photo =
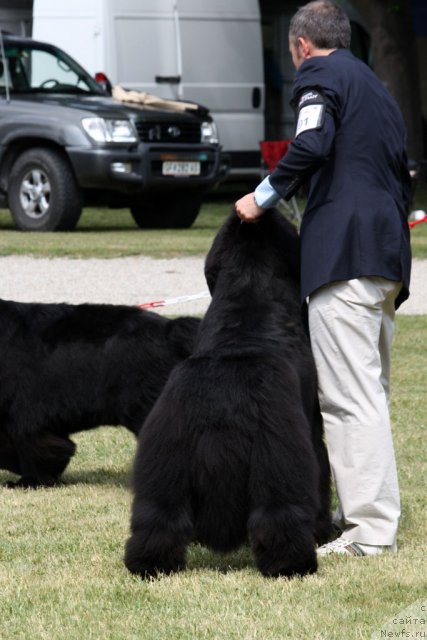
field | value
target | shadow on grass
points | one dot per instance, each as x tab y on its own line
107	477
101	476
201	558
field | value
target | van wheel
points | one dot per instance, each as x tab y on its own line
167	211
43	194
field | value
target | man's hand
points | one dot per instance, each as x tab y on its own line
247	209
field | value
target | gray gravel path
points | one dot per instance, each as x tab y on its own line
132	281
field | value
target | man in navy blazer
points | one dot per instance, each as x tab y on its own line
349	150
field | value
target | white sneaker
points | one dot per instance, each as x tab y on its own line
345	547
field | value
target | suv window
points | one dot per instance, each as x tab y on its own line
31	69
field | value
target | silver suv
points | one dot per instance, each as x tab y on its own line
65	143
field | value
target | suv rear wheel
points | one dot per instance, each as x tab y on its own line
43	194
173	210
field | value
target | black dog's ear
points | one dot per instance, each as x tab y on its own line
212	266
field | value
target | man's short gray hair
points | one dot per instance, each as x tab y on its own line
322	22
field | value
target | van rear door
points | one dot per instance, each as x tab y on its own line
222	68
147	47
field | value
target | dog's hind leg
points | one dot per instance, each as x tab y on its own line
42	459
9	459
161	523
284	504
312	411
160	534
324	519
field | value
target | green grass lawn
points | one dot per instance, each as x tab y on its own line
61	570
107	233
62	577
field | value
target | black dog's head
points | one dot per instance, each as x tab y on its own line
271	242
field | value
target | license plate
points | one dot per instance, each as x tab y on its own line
179	168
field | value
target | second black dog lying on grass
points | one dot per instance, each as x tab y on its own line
68	368
233	448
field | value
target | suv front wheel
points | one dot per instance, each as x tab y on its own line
169	210
43	194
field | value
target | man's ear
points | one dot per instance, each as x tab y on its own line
305	46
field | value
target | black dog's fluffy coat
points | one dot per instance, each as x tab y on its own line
67	368
233	448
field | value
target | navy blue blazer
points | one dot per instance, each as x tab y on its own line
354	163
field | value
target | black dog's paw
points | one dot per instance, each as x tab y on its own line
289	569
27	483
147	570
150	572
145	564
22	483
11	485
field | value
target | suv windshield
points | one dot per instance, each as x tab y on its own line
33	68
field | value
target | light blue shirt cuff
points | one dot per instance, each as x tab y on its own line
265	195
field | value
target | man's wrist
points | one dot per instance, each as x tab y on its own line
265	195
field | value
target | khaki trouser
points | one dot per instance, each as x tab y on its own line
351	330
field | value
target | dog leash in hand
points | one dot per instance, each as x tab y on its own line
167	301
205	294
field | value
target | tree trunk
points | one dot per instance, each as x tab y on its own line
395	61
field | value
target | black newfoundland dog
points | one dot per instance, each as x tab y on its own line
233	448
67	368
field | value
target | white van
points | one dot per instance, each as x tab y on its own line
206	51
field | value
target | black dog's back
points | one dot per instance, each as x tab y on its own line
92	364
228	450
66	368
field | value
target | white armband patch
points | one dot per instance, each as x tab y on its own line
310	117
311	112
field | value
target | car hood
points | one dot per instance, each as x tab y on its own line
106	107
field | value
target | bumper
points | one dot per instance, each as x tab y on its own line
139	168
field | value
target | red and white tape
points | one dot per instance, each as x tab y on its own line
167	301
415	222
